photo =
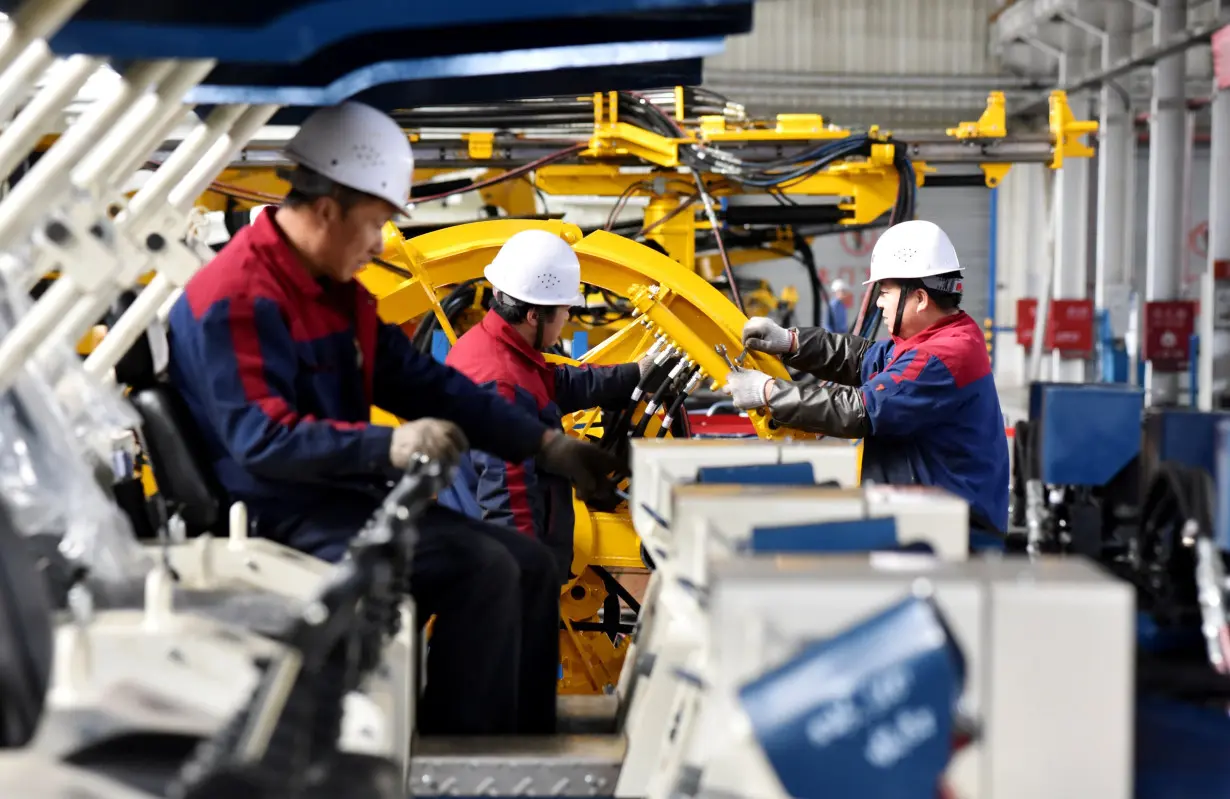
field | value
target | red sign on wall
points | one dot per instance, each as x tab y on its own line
1069	328
1221	57
1169	325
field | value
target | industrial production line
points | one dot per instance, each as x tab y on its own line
770	660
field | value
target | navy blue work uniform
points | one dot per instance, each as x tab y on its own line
280	372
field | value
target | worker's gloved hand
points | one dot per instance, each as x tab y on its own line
749	388
588	467
762	334
435	438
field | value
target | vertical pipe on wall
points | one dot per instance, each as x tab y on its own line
1167	129
1214	354
1113	279
993	269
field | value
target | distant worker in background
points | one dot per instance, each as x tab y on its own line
924	400
536	277
279	355
836	321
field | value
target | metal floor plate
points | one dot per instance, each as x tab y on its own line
564	765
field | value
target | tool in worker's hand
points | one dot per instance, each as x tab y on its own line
741	358
721	350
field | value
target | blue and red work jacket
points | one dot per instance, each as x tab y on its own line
280	372
513	491
935	416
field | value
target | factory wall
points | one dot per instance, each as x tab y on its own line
962	211
1024	237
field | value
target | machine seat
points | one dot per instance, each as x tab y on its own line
176	454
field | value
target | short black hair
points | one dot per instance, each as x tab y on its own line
944	300
308	186
515	311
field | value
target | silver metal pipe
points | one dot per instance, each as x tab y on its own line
31	196
1115	129
34	20
20	137
15	82
97	169
1167	126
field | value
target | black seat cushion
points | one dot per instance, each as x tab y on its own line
177	455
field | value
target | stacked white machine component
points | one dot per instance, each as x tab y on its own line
712	522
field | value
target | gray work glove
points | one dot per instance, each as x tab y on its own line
748	388
434	438
587	466
764	335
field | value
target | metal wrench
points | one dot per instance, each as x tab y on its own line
737	362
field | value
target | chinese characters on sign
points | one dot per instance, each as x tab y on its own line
1168	330
1069	326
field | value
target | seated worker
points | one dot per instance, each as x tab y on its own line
535	276
279	355
924	401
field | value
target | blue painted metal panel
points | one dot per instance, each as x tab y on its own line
1182	435
866	713
777	474
854	535
290	32
393	97
1221	476
1088	432
580	343
463	66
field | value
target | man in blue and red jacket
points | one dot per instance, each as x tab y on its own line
924	401
279	355
535	276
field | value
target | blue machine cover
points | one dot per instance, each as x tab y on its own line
866	713
848	535
1089	433
771	474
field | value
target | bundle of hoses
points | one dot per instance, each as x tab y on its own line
284	741
670	379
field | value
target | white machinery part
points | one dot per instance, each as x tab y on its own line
659	464
1040	638
710	523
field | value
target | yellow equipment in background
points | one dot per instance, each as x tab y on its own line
684	166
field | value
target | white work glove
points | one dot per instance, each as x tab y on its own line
748	388
435	438
764	335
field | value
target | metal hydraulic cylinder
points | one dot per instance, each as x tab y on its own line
1167	134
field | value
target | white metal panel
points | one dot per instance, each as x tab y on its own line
963	212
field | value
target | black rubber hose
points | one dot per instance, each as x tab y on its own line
818	293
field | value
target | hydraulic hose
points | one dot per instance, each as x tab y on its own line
692	380
658	397
613	433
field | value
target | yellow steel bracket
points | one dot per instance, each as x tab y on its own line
613	138
993	124
1067	130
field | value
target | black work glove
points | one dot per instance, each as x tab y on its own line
587	466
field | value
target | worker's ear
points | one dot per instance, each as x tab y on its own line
327	210
924	299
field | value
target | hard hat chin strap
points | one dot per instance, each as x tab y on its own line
901	295
538	331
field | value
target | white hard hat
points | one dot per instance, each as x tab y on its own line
356	146
838	285
538	268
916	250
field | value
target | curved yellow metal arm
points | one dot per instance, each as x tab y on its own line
683	305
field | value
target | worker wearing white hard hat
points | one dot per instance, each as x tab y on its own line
536	280
279	356
836	321
924	400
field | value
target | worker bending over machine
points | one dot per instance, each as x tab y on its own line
924	401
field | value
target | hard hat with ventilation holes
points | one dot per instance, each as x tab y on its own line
356	146
916	250
538	268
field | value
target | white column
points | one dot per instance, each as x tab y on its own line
1113	280
1214	374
